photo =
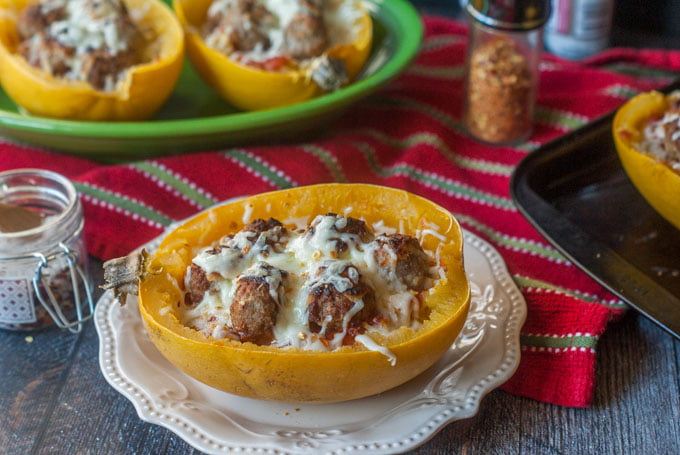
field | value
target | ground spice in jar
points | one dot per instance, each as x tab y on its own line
43	261
499	93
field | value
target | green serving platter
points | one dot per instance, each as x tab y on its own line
195	118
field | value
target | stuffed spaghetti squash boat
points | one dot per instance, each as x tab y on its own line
89	59
646	132
262	54
313	294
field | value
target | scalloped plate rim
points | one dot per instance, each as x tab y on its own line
199	439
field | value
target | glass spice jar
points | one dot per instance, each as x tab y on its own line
43	266
502	68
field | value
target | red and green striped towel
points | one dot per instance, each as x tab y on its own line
407	135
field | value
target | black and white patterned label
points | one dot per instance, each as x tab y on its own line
16	302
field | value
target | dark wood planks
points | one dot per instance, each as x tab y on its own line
636	407
54	400
33	373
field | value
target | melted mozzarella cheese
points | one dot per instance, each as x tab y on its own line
654	137
373	346
226	263
308	262
321	243
89	25
380	228
247	213
271	275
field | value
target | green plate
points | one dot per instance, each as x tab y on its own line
195	118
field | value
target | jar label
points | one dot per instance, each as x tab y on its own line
16	302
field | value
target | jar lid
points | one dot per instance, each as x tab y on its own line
512	15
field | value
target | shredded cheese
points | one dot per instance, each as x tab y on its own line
309	260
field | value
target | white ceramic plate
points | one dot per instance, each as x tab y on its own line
484	356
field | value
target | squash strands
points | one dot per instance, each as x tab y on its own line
250	88
294	375
145	87
655	180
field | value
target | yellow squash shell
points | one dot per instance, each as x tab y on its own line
293	375
137	97
655	180
249	88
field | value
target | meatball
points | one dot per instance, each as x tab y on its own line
306	35
100	68
49	42
256	303
198	284
211	264
259	237
48	54
332	300
36	18
243	21
332	226
403	255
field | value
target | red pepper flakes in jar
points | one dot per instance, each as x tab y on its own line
502	68
499	96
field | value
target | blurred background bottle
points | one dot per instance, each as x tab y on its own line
579	28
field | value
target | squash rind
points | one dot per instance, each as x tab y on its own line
250	88
139	96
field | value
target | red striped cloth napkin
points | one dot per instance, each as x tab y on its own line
408	136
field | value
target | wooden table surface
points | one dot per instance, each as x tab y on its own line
54	399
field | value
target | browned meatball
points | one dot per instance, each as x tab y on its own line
199	281
404	254
259	235
245	22
198	284
100	65
328	306
245	39
341	225
35	19
43	47
47	54
254	309
306	35
356	227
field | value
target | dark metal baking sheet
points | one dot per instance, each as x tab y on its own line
575	192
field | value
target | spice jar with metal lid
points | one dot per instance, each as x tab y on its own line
504	47
43	262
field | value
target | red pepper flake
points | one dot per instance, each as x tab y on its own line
626	135
499	93
273	64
